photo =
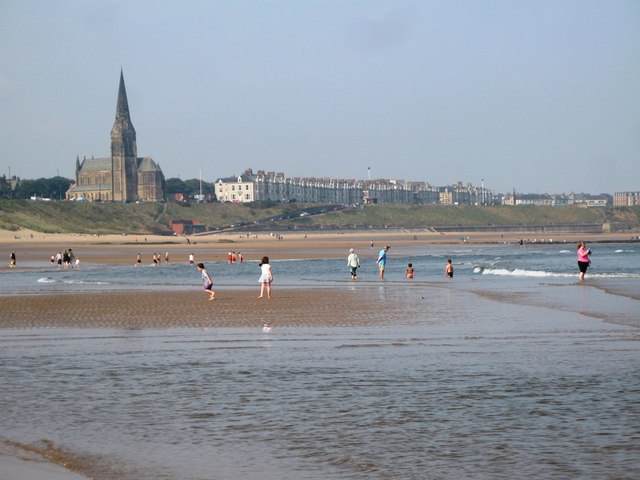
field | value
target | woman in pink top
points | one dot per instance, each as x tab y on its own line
583	259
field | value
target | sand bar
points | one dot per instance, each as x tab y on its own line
21	462
189	309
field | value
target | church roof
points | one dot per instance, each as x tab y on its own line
146	164
95	164
105	187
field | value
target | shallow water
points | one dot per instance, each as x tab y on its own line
471	387
550	263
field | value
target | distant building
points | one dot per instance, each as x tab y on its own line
626	199
123	177
187	227
533	199
240	189
588	200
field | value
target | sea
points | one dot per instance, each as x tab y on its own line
511	369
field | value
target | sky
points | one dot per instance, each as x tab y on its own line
538	96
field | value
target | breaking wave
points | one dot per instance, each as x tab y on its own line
541	273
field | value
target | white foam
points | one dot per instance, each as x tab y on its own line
86	282
46	280
540	273
520	272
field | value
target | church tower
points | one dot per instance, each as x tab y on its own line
124	177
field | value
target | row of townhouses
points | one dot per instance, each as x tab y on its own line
276	187
578	199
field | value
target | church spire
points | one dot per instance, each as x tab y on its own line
122	109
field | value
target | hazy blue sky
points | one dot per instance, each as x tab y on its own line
540	96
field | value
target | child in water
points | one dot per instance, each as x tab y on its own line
448	270
266	277
409	271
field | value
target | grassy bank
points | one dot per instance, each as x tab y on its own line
104	218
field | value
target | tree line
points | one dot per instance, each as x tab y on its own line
56	187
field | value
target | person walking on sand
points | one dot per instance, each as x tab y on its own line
207	283
266	277
192	260
353	262
448	270
12	260
382	260
583	259
410	271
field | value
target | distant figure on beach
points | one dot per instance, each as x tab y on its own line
166	257
192	260
207	283
66	259
12	260
382	260
240	257
409	272
155	259
229	257
59	259
77	263
53	259
138	260
448	270
353	262
266	277
583	259
371	243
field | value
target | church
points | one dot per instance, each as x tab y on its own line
123	177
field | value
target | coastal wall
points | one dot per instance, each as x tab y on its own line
581	228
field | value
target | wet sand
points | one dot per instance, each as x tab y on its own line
21	462
188	309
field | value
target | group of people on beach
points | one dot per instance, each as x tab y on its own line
353	262
66	259
156	259
233	257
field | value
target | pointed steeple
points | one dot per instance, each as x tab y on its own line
122	109
123	151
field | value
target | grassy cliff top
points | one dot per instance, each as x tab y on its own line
105	218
